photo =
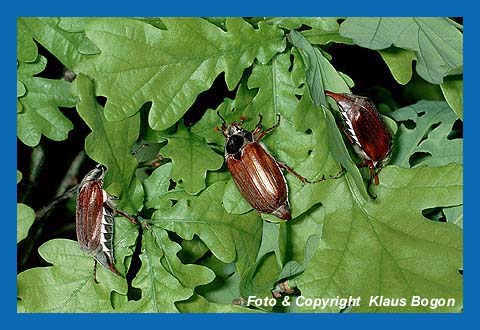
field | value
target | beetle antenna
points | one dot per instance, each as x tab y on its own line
221	117
224	123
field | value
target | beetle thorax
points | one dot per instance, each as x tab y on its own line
96	174
237	138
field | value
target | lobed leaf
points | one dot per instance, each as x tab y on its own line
38	105
27	50
162	278
229	237
369	250
321	76
70	48
261	278
191	159
399	62
171	67
110	142
67	285
454	214
436	42
434	121
452	89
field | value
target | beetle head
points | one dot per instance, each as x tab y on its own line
96	174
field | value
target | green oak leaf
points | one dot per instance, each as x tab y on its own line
156	185
27	50
323	30
67	285
294	268
274	239
261	278
452	89
171	67
21	90
312	59
25	219
162	278
39	105
303	229
110	142
320	75
229	237
434	121
386	247
454	215
225	289
192	250
316	23
233	200
436	42
399	62
191	159
276	96
231	110
70	48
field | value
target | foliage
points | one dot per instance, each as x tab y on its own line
200	246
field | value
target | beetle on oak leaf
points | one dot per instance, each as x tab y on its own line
94	219
257	175
365	130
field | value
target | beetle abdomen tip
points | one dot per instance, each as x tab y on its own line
283	212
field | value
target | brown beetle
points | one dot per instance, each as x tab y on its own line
366	130
94	218
257	175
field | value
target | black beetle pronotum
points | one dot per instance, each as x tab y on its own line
257	175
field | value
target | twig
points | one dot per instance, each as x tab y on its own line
71	174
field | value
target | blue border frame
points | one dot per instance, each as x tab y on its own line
242	8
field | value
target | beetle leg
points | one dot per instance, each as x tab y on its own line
128	216
368	190
109	200
258	127
265	132
364	163
299	177
373	174
373	178
95	271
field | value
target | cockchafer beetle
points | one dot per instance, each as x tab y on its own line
94	218
257	175
365	130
